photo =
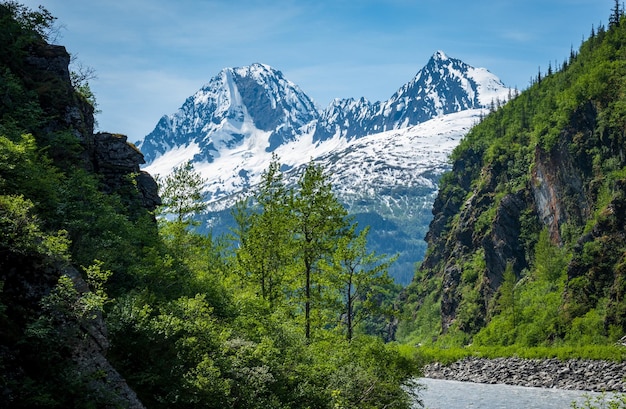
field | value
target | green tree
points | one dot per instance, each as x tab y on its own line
616	15
357	274
507	294
181	192
550	259
320	220
265	233
40	22
20	231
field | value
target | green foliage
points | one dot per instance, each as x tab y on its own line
40	22
20	231
25	171
193	322
358	275
469	314
420	327
265	233
531	311
320	220
507	300
603	401
22	28
550	260
208	325
181	192
564	133
80	77
63	324
429	354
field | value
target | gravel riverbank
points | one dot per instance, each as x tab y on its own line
573	374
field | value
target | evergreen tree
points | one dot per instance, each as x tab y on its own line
550	259
507	294
616	14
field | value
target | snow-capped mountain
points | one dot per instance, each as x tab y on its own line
236	105
445	85
384	159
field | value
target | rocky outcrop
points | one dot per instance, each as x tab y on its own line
574	374
48	74
36	340
502	245
109	154
118	160
491	208
557	189
29	279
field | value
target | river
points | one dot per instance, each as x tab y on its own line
442	394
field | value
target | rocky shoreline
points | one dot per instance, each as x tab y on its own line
573	374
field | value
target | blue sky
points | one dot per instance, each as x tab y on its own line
150	55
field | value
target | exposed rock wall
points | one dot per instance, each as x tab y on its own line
476	217
109	154
25	280
558	189
48	74
117	159
575	374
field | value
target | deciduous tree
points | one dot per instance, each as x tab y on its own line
319	221
357	273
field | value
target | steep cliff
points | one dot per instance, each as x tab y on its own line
59	183
537	188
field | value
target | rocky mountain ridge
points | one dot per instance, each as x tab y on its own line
257	102
443	86
235	104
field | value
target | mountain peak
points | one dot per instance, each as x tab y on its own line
439	56
257	70
252	105
255	106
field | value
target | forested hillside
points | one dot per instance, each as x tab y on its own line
527	246
101	305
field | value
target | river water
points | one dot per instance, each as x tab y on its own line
441	394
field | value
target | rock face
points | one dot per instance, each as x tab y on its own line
49	64
65	117
444	86
480	219
116	159
236	105
108	154
575	374
26	281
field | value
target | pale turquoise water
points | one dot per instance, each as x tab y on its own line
440	394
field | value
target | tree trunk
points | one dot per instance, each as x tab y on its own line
349	311
307	301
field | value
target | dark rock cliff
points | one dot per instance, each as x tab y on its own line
109	155
115	158
62	121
